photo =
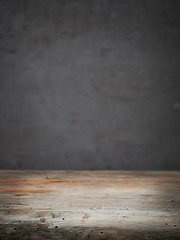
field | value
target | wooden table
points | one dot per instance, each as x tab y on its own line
89	205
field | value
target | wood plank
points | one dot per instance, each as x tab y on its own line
89	205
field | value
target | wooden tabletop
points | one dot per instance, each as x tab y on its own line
89	205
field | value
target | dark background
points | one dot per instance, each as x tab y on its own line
90	84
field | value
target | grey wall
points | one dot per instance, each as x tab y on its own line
89	84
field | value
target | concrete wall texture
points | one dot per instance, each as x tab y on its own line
90	84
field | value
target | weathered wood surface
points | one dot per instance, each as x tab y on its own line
89	205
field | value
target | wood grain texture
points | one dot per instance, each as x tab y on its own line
89	205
